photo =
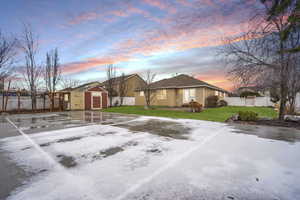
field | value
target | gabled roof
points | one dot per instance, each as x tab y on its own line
119	78
183	81
84	87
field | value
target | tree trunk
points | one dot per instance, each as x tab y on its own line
110	101
283	94
33	101
283	83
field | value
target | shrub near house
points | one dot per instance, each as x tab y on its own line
247	116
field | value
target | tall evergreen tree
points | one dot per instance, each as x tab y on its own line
290	8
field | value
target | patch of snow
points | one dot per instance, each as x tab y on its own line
111	162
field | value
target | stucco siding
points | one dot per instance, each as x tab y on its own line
175	97
77	100
139	100
132	84
199	95
170	99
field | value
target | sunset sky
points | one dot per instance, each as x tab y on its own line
166	36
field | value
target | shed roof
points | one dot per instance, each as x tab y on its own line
84	87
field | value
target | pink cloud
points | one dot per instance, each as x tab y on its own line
192	32
163	5
84	17
217	78
185	2
127	11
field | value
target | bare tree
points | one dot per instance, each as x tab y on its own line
7	55
29	46
148	91
111	82
123	87
52	73
66	82
293	82
259	51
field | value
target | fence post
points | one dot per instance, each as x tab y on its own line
3	95
19	101
6	100
44	101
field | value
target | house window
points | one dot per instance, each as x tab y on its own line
66	97
162	94
217	93
142	93
189	95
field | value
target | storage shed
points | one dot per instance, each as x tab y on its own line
90	96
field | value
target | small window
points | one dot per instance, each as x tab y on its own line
142	93
217	93
66	97
162	94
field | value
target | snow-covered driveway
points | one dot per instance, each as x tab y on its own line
113	156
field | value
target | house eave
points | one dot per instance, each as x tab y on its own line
190	86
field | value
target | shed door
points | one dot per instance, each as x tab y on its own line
104	100
96	100
87	100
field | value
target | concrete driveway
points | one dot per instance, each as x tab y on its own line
94	156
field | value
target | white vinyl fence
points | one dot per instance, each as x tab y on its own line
256	101
127	101
25	103
298	102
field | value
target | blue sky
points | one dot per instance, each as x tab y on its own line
166	36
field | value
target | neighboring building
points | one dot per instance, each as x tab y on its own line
261	91
89	96
179	90
132	81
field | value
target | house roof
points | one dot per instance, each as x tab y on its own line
119	78
84	87
182	81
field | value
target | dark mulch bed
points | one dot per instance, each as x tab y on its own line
275	122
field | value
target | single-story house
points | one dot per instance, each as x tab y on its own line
179	90
89	96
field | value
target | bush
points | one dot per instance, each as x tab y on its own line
195	106
222	103
185	105
212	101
248	116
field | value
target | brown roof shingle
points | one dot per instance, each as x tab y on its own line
182	81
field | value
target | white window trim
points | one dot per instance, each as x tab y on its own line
92	103
187	97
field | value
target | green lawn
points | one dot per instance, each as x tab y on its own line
210	114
